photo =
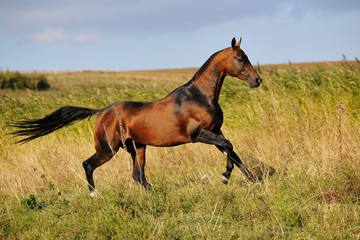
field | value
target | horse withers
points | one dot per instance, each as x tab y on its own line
190	113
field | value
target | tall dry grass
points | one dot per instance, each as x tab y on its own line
299	132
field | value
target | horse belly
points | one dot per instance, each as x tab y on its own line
158	131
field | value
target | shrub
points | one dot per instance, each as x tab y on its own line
16	80
32	202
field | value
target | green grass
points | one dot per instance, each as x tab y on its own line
300	132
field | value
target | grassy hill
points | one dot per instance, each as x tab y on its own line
299	131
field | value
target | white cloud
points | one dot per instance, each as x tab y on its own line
86	37
48	34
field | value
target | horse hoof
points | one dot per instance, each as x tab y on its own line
148	187
224	179
93	194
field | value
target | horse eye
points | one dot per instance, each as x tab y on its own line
240	59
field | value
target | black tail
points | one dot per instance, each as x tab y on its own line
62	117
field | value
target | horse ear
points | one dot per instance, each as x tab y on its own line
238	44
233	42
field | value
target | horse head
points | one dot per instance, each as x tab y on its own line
238	65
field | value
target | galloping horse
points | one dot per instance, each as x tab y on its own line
191	113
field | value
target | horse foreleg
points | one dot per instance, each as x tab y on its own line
229	163
229	166
236	160
226	147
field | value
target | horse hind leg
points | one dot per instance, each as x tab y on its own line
90	165
137	152
89	168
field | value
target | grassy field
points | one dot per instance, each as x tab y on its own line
299	132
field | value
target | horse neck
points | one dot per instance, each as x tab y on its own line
210	77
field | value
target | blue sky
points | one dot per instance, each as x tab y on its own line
159	34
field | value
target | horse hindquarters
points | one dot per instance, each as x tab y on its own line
109	136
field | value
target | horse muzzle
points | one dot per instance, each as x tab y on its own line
255	82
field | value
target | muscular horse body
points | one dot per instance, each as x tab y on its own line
191	113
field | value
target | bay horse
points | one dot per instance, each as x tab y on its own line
190	113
